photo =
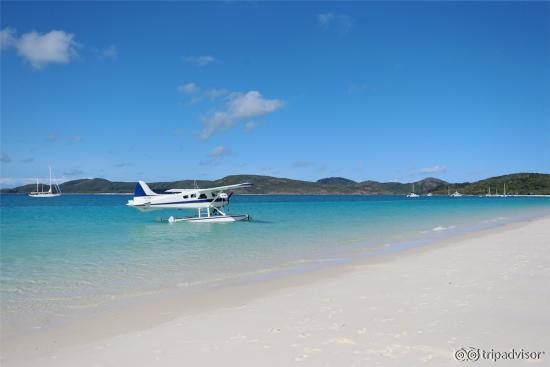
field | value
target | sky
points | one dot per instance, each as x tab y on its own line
365	90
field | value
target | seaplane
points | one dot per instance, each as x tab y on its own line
209	203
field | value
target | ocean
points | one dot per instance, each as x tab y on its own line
63	256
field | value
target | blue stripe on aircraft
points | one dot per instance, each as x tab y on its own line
185	202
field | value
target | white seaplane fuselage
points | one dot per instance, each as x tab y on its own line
188	199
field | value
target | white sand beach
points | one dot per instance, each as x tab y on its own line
488	290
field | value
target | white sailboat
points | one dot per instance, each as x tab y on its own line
412	194
53	191
456	194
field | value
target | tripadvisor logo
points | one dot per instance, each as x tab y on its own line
467	354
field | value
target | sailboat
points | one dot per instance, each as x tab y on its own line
412	194
489	192
54	190
456	194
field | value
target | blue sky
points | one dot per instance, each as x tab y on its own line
382	91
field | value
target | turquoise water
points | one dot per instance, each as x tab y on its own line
61	255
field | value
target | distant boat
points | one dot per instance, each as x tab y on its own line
456	194
52	192
429	194
412	194
501	195
489	192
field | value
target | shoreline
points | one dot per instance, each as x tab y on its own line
139	317
312	194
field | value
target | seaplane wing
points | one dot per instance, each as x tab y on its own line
210	189
226	187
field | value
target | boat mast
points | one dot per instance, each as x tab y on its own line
50	190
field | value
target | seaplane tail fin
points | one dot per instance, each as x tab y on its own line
143	190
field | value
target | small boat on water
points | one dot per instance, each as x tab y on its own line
455	194
53	191
412	194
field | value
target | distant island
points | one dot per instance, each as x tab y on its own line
518	183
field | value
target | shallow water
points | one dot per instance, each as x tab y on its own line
61	255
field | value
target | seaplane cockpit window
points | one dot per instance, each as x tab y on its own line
193	195
202	196
186	196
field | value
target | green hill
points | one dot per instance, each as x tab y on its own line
517	183
520	183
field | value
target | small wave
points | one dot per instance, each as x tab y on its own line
439	229
494	220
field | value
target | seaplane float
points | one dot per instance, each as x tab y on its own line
209	203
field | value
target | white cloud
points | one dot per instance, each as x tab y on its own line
325	19
215	93
219	151
7	38
340	22
196	97
110	52
188	88
250	125
56	47
4	158
251	104
200	60
217	121
239	106
434	169
18	181
8	180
